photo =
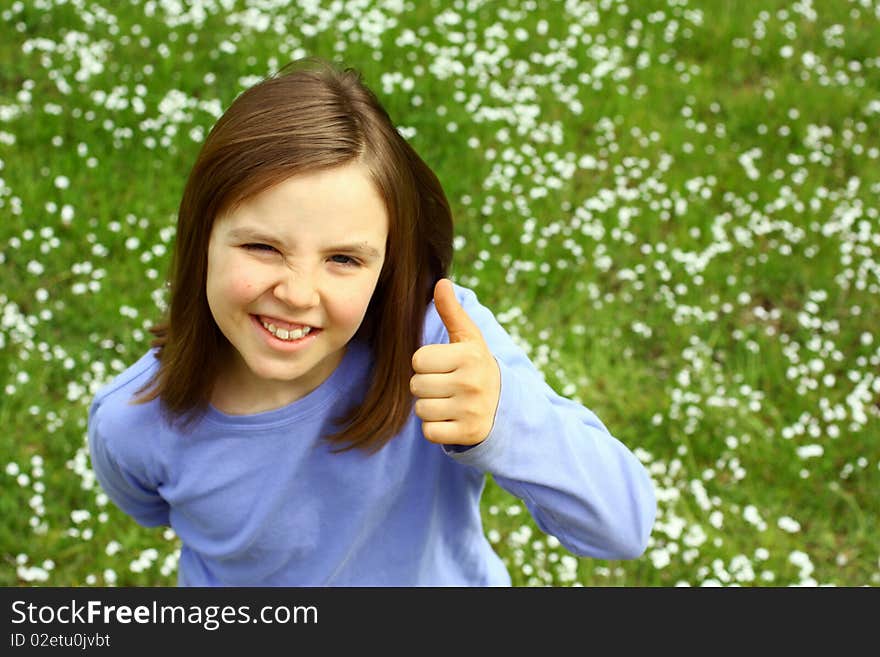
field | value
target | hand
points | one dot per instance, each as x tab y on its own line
457	385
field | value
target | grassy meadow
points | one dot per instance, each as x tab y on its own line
672	205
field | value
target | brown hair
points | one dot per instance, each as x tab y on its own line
307	117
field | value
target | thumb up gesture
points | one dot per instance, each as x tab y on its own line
457	385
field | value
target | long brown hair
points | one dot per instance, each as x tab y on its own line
307	117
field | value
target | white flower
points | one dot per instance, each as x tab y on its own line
660	558
809	451
753	517
802	561
788	524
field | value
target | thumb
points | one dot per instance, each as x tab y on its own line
459	326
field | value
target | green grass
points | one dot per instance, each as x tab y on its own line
695	308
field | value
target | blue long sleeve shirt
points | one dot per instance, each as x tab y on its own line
260	500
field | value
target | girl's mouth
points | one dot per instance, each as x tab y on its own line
284	338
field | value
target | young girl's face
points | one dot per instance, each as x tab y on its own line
301	257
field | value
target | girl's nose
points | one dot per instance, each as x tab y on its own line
297	289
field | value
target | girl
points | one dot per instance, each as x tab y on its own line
321	405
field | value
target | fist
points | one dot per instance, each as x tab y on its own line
457	385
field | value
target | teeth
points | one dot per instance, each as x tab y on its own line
284	334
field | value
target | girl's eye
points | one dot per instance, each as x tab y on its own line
344	260
259	247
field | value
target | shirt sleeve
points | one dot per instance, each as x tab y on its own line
129	490
580	484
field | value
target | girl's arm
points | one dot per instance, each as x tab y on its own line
126	484
580	483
